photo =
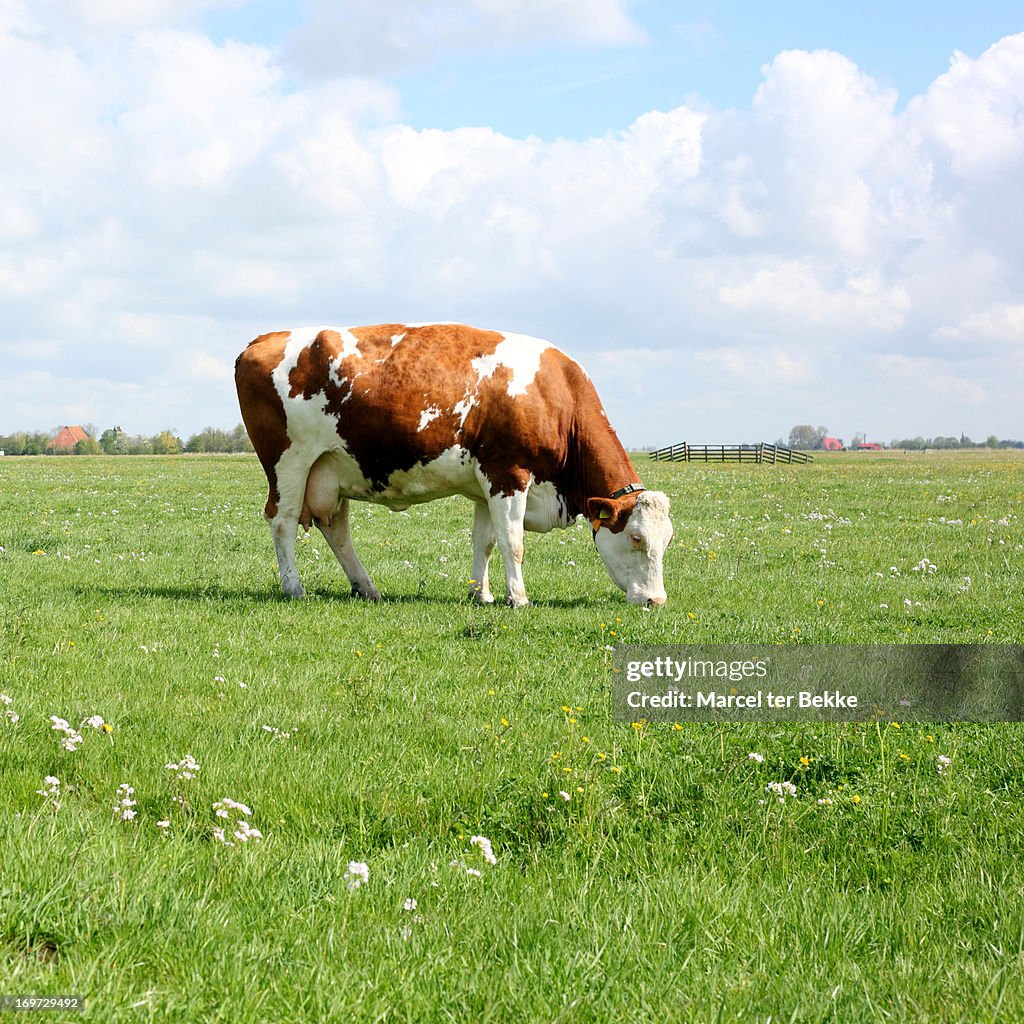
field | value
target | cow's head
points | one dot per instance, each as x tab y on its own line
632	535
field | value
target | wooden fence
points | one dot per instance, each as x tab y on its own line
760	452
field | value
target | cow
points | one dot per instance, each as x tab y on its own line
399	414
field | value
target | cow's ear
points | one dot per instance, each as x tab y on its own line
605	512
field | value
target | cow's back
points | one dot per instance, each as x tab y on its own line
396	396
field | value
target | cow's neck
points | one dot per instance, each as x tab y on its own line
598	466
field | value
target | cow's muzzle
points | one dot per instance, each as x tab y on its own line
646	599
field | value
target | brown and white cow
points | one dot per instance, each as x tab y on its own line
399	414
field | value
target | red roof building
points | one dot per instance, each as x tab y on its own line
833	444
67	438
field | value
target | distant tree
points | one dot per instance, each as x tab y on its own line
165	443
36	444
806	437
210	439
992	441
945	443
114	441
198	442
240	439
966	442
88	446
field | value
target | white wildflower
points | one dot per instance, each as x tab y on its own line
125	807
12	716
245	832
565	796
280	734
781	790
358	874
944	762
72	737
51	791
483	844
224	806
241	830
184	769
410	904
752	756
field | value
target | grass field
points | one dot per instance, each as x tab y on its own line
640	874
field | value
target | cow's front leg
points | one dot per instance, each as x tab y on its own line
483	545
339	538
507	515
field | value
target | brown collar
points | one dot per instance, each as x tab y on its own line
628	489
595	524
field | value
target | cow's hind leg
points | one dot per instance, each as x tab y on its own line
483	544
507	515
337	534
283	517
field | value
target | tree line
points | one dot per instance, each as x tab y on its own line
808	438
116	441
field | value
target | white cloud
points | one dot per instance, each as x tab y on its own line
205	366
793	290
972	112
764	368
373	39
1004	323
113	16
930	381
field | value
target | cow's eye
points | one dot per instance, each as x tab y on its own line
636	540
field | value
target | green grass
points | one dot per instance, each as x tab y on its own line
665	888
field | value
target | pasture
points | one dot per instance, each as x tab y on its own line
641	873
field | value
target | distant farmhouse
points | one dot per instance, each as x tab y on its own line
835	444
67	438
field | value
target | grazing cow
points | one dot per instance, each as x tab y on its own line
400	414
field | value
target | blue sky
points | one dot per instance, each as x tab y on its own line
698	53
737	217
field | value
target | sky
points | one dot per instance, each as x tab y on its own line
737	217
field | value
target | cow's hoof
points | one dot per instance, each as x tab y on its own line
517	602
293	590
366	593
481	598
